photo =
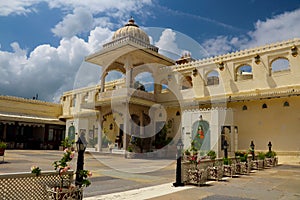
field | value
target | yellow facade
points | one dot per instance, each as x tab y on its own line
30	124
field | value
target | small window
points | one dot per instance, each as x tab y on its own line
264	106
177	113
286	104
245	107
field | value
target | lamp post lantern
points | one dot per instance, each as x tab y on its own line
270	146
81	145
225	146
252	149
178	164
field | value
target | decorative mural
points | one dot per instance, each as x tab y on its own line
201	135
71	132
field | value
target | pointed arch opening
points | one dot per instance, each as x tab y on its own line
280	64
244	72
186	83
212	78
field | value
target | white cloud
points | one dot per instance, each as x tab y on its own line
19	7
50	71
280	27
99	36
73	24
222	45
47	70
167	43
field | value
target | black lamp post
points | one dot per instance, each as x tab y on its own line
270	146
81	145
252	149
178	164
225	145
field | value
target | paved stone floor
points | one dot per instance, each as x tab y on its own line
115	177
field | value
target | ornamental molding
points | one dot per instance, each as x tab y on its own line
24	100
239	54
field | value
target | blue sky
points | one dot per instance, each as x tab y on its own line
43	43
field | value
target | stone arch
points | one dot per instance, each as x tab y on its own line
109	75
243	72
186	82
212	78
280	64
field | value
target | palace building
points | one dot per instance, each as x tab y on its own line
30	123
243	96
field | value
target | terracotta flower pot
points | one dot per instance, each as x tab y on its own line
2	151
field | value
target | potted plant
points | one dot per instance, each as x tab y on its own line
270	158
242	166
228	168
3	146
64	189
261	158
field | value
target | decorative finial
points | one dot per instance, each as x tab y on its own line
131	22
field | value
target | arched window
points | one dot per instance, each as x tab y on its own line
286	104
245	107
264	106
244	72
187	83
213	78
280	64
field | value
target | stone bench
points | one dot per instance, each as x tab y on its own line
26	185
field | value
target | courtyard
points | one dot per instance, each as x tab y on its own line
115	177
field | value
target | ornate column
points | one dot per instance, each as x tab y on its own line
103	82
128	66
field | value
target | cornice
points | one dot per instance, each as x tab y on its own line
24	100
239	54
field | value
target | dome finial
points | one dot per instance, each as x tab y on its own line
131	22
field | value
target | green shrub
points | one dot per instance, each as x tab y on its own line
3	145
261	156
212	154
242	155
270	154
226	161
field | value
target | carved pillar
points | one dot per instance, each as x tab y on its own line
128	66
103	82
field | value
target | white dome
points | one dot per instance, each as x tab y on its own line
131	29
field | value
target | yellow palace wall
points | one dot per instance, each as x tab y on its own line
276	123
9	104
